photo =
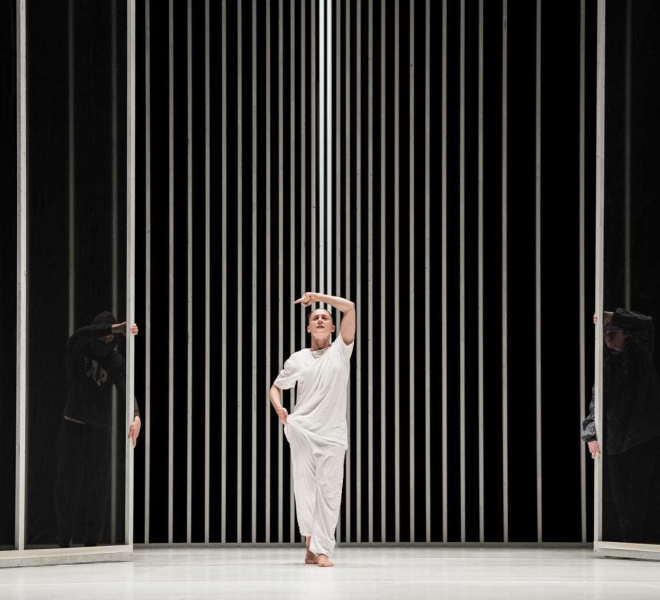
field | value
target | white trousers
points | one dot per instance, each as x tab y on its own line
318	478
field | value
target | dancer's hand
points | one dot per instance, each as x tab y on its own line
307	299
282	413
121	328
594	449
134	430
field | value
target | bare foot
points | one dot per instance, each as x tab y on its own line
324	561
310	557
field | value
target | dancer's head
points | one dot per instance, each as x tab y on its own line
320	324
616	339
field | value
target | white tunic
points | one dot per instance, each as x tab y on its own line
320	410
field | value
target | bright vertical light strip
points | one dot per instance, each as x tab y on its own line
21	273
130	275
328	137
600	230
170	374
147	283
539	461
322	133
581	316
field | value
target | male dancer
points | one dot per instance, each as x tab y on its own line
317	429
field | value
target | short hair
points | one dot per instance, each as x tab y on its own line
309	316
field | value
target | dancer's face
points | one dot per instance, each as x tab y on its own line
320	323
616	339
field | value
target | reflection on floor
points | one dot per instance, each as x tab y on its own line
369	573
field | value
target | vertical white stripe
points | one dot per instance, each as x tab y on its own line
293	244
462	266
255	233
600	230
223	482
427	268
397	277
190	281
147	293
269	414
337	204
505	285
239	282
207	269
411	272
348	8
322	163
170	485
328	114
370	278
627	135
539	463
280	260
481	271
358	273
303	167
444	273
130	275
21	275
115	277
581	317
314	187
383	270
72	166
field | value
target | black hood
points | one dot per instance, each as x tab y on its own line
99	348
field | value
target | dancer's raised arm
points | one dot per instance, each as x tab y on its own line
347	308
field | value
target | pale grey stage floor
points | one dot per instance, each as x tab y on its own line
373	573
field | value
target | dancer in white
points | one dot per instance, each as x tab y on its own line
317	429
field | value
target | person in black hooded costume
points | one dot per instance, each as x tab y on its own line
84	442
631	422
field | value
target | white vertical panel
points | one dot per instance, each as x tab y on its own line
239	271
303	166
189	242
411	271
383	269
130	274
481	271
370	278
337	203
21	274
147	292
280	261
600	230
115	265
358	274
255	232
223	482
314	187
539	463
293	243
397	277
268	304
322	144
207	269
72	166
427	268
348	9
581	317
444	273
170	484
329	137
627	155
505	279
462	266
